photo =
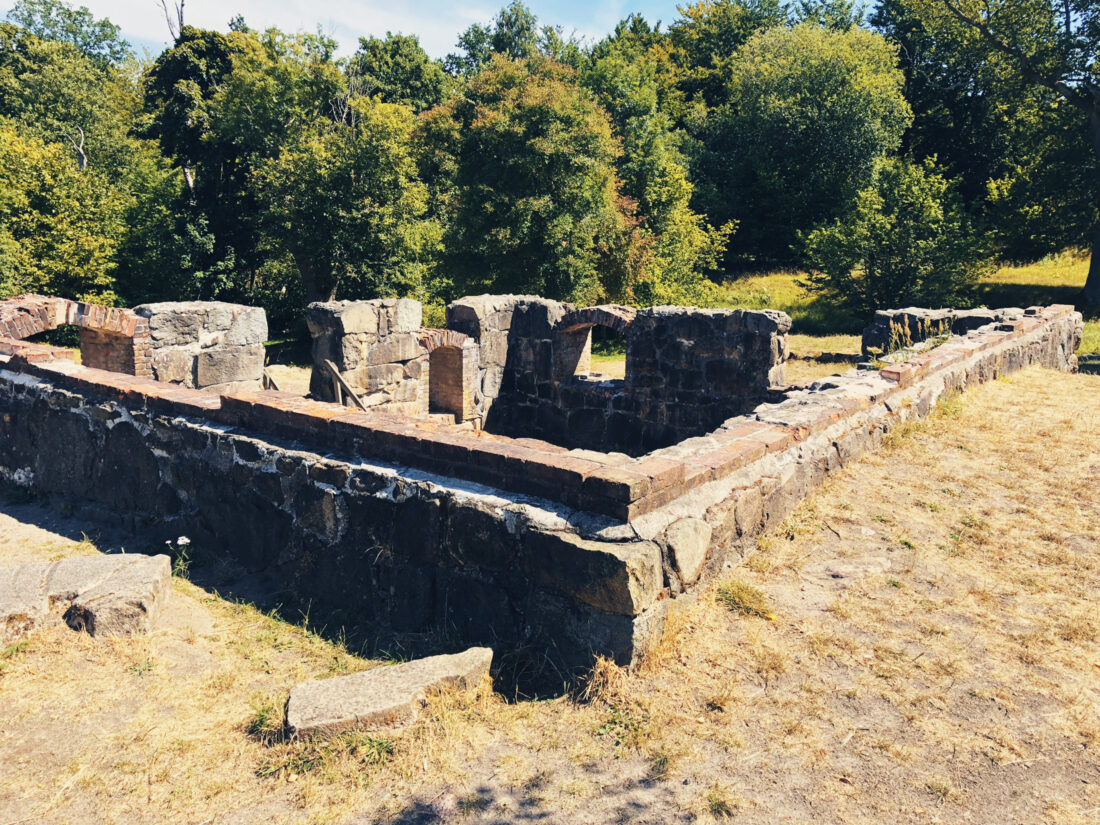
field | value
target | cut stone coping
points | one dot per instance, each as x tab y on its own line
381	696
116	595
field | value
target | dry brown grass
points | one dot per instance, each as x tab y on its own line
954	675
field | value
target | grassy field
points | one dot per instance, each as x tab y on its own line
919	642
825	340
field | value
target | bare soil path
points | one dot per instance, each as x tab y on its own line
919	643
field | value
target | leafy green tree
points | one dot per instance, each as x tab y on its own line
830	14
905	241
515	34
810	112
397	70
100	40
523	168
221	105
1042	43
344	201
653	173
61	95
707	35
59	225
1015	149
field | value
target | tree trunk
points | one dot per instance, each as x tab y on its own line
1091	294
314	290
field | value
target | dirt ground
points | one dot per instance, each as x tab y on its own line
919	643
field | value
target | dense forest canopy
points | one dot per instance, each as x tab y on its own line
890	153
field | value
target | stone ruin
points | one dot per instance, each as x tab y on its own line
548	511
520	365
205	345
388	361
208	345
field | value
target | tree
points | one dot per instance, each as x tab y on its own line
345	202
905	241
708	34
100	40
1048	43
514	34
653	173
59	225
221	105
523	169
63	96
830	14
397	70
810	112
1014	149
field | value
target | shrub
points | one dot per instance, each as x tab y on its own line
905	241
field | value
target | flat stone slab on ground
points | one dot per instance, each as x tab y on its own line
114	595
382	696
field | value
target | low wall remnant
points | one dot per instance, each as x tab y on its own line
406	524
209	345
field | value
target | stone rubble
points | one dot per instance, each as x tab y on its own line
115	595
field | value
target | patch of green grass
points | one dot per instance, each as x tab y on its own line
739	597
1090	342
266	722
718	802
811	313
10	652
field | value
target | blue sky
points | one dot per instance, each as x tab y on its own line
436	22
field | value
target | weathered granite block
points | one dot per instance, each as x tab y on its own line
382	696
205	344
117	595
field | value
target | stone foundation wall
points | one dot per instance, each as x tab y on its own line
894	329
405	525
687	369
375	346
206	344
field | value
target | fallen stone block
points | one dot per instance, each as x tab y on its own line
379	697
117	595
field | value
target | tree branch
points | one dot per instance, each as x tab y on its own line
174	18
81	156
1056	83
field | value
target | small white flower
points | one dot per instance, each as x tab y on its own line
183	541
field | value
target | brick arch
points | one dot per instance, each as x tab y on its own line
614	316
110	338
433	339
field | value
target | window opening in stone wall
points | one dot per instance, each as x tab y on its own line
608	357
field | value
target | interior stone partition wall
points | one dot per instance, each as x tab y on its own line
209	345
406	524
382	352
687	369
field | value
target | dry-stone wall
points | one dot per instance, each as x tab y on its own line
206	344
894	329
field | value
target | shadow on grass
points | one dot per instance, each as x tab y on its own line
997	295
647	800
